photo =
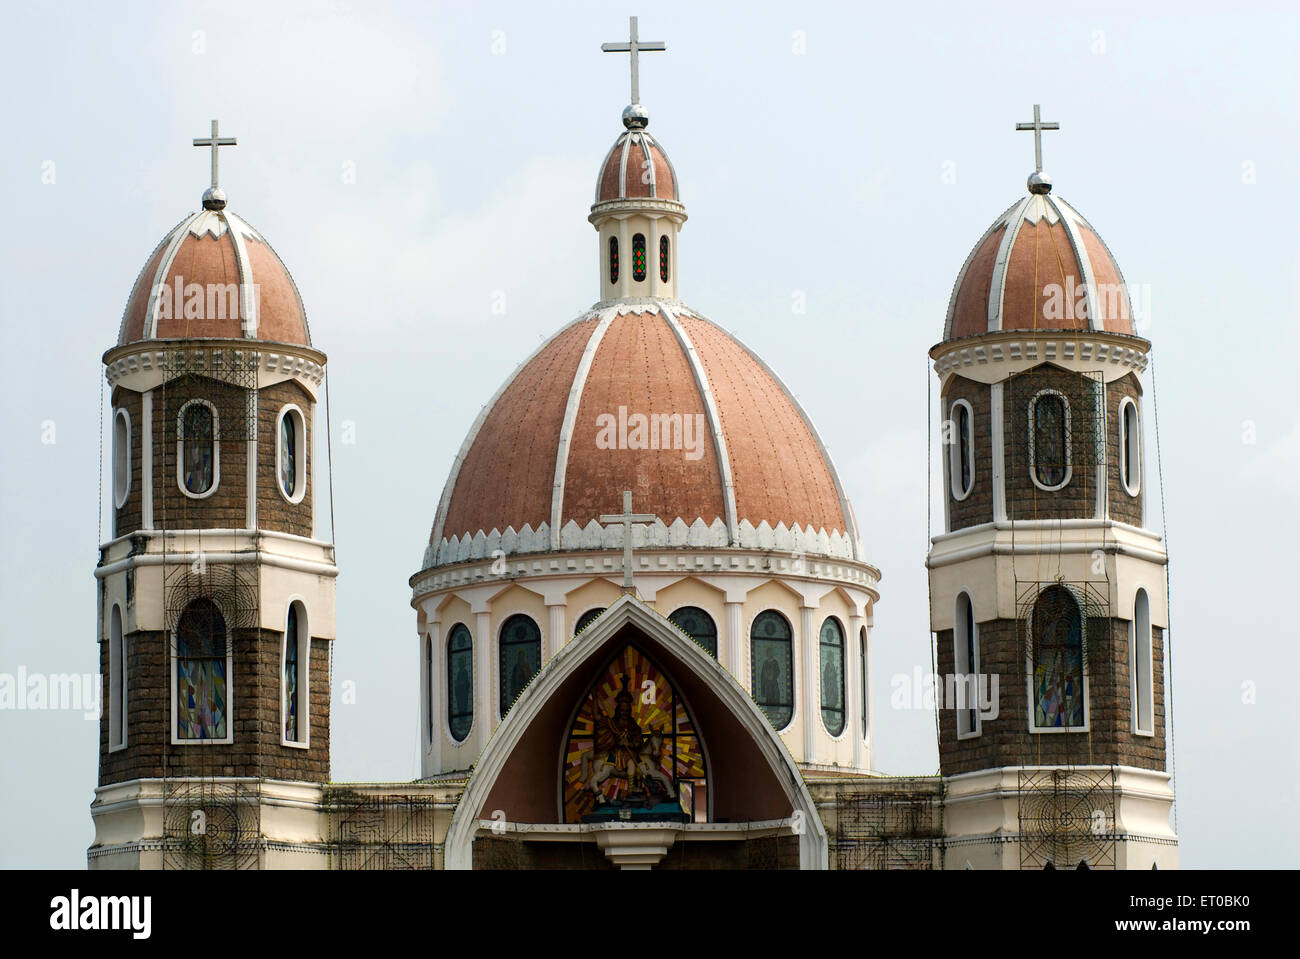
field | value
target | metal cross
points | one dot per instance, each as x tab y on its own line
215	142
634	47
627	518
1038	126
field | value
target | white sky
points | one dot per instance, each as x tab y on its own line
820	172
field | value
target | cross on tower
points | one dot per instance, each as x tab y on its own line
627	517
634	47
1038	126
215	141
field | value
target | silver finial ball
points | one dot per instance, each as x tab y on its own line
635	117
214	198
1040	183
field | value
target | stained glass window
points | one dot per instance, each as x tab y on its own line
197	447
1057	632
521	657
429	677
772	667
832	675
201	681
964	662
291	675
663	258
288	453
586	619
964	446
633	751
862	663
460	682
1050	439
613	259
638	257
699	625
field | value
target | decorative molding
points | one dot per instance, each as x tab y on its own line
155	357
1010	352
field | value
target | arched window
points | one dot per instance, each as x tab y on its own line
202	674
663	258
771	655
699	625
1056	632
297	652
866	675
460	682
961	450
638	257
1130	447
965	666
291	454
1049	440
613	259
198	466
116	680
121	457
521	657
1142	668
586	619
429	679
831	645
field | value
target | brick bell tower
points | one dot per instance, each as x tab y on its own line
215	594
1047	584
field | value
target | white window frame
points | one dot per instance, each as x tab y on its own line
954	450
230	682
300	454
303	639
1069	466
1130	446
216	449
121	458
1029	676
796	668
1142	693
117	680
959	647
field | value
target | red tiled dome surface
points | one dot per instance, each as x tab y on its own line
645	362
215	250
1040	266
636	167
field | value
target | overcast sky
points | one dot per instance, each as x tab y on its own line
851	155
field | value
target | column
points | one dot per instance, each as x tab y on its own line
734	638
807	639
855	662
485	705
146	460
556	633
433	680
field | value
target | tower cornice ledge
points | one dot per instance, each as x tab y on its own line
144	365
992	357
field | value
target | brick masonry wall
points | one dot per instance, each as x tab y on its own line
1078	498
1121	505
127	519
977	507
256	750
1006	741
274	511
227	507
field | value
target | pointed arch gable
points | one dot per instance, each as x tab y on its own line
753	777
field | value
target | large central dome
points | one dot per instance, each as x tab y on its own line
654	398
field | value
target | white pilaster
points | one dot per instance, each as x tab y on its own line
808	645
486	704
146	460
555	633
734	643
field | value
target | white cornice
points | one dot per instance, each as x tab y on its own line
992	357
144	365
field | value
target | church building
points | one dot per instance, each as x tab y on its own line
643	618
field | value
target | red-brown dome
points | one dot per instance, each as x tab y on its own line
1040	266
636	168
723	455
214	276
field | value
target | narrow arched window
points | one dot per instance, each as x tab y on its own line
771	657
1130	447
586	619
866	675
121	457
202	681
1142	669
961	450
116	680
521	657
638	257
831	645
1049	440
965	667
1056	632
698	625
197	464
429	679
291	454
291	675
613	259
663	258
460	682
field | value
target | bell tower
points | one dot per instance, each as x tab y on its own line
1047	584
216	591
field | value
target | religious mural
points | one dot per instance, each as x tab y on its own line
633	751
